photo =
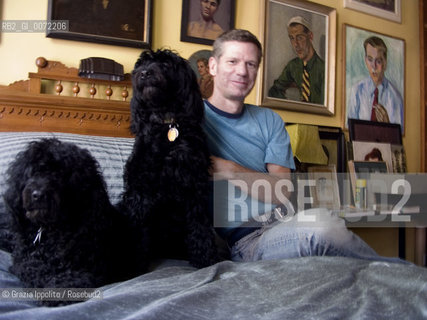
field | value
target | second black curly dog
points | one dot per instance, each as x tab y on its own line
167	175
66	232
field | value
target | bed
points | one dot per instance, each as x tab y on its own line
301	288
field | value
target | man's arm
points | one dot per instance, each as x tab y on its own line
283	82
277	177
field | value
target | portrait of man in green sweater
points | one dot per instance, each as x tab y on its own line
303	77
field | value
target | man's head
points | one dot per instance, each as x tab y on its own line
239	35
301	37
375	58
234	64
208	8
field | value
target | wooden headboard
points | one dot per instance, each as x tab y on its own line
89	107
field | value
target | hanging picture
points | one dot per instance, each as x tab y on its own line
114	22
203	21
299	61
387	9
374	77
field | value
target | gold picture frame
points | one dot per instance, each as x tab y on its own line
279	53
390	11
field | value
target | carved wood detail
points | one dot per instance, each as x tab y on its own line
24	108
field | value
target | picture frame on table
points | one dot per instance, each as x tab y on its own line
373	151
390	10
333	142
193	25
388	55
363	170
107	22
280	81
325	192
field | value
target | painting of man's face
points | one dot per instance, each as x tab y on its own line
375	63
208	8
300	40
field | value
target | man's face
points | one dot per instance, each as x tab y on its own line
236	70
376	64
208	8
301	41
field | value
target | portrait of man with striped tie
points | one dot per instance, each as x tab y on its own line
303	77
372	94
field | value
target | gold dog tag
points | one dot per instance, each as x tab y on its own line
173	134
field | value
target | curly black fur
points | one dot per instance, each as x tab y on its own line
57	187
167	182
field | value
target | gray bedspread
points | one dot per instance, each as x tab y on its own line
302	288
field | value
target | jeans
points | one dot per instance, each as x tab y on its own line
295	237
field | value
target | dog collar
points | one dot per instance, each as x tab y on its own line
173	132
38	236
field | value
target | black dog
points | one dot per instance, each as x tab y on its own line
167	175
66	232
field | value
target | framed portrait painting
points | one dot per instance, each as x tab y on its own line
387	9
203	21
374	77
199	62
299	59
113	22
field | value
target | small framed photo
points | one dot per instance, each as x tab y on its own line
333	143
373	151
298	72
363	170
202	21
374	77
387	9
325	192
398	156
111	22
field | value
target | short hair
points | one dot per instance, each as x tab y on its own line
377	43
239	35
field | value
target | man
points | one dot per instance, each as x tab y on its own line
375	98
247	142
306	72
206	27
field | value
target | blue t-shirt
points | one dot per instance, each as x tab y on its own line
253	138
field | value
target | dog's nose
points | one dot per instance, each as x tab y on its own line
145	74
36	195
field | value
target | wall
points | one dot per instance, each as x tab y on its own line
19	50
